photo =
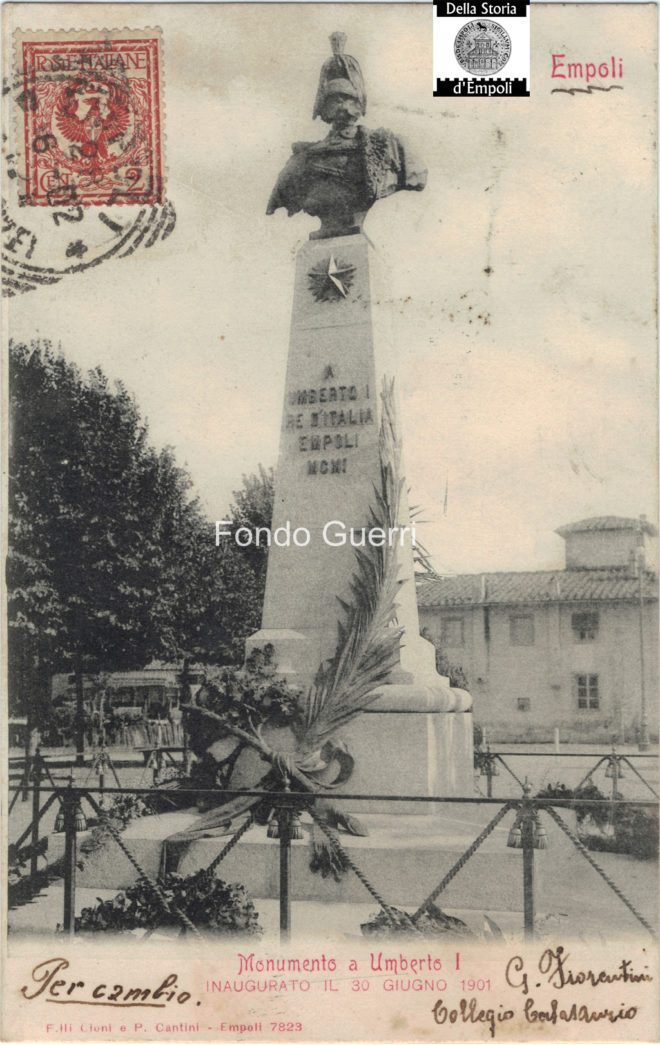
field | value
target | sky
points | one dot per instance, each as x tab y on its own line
522	280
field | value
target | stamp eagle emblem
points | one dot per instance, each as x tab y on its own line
92	121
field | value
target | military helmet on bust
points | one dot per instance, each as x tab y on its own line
340	74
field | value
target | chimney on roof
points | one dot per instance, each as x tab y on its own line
605	542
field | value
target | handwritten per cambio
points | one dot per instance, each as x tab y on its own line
49	984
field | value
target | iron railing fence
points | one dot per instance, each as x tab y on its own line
487	763
527	833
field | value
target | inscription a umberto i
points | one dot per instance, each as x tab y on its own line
329	423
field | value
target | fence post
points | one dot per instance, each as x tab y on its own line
101	771
527	833
70	848
490	765
284	822
27	772
615	765
34	834
187	761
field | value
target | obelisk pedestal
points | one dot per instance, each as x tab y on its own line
417	737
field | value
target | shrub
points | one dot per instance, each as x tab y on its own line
128	807
599	816
634	831
432	922
206	900
123	809
248	697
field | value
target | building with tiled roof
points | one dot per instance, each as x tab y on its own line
559	649
608	522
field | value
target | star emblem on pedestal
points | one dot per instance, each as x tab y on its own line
331	280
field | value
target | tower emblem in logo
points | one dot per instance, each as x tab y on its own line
482	47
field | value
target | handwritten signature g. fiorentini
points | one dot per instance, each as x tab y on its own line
553	967
47	985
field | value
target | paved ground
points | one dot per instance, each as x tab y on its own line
316	920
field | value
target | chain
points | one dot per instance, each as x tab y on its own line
25	780
170	908
50	776
624	758
391	913
589	858
463	860
588	777
15	798
245	826
509	769
230	845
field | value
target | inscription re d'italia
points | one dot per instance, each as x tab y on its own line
331	418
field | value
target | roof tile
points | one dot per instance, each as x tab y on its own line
539	586
607	522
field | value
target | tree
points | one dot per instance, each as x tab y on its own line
82	568
253	507
209	597
111	560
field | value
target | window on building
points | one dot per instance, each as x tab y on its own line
452	632
585	626
524	704
588	697
521	629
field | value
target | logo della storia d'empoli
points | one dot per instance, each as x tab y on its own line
482	47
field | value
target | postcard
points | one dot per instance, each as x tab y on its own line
331	604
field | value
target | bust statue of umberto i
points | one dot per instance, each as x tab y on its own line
339	178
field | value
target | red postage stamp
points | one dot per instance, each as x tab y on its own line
92	118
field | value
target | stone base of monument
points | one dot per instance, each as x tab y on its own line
403	857
409	753
415	739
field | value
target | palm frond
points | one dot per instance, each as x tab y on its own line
368	638
422	558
